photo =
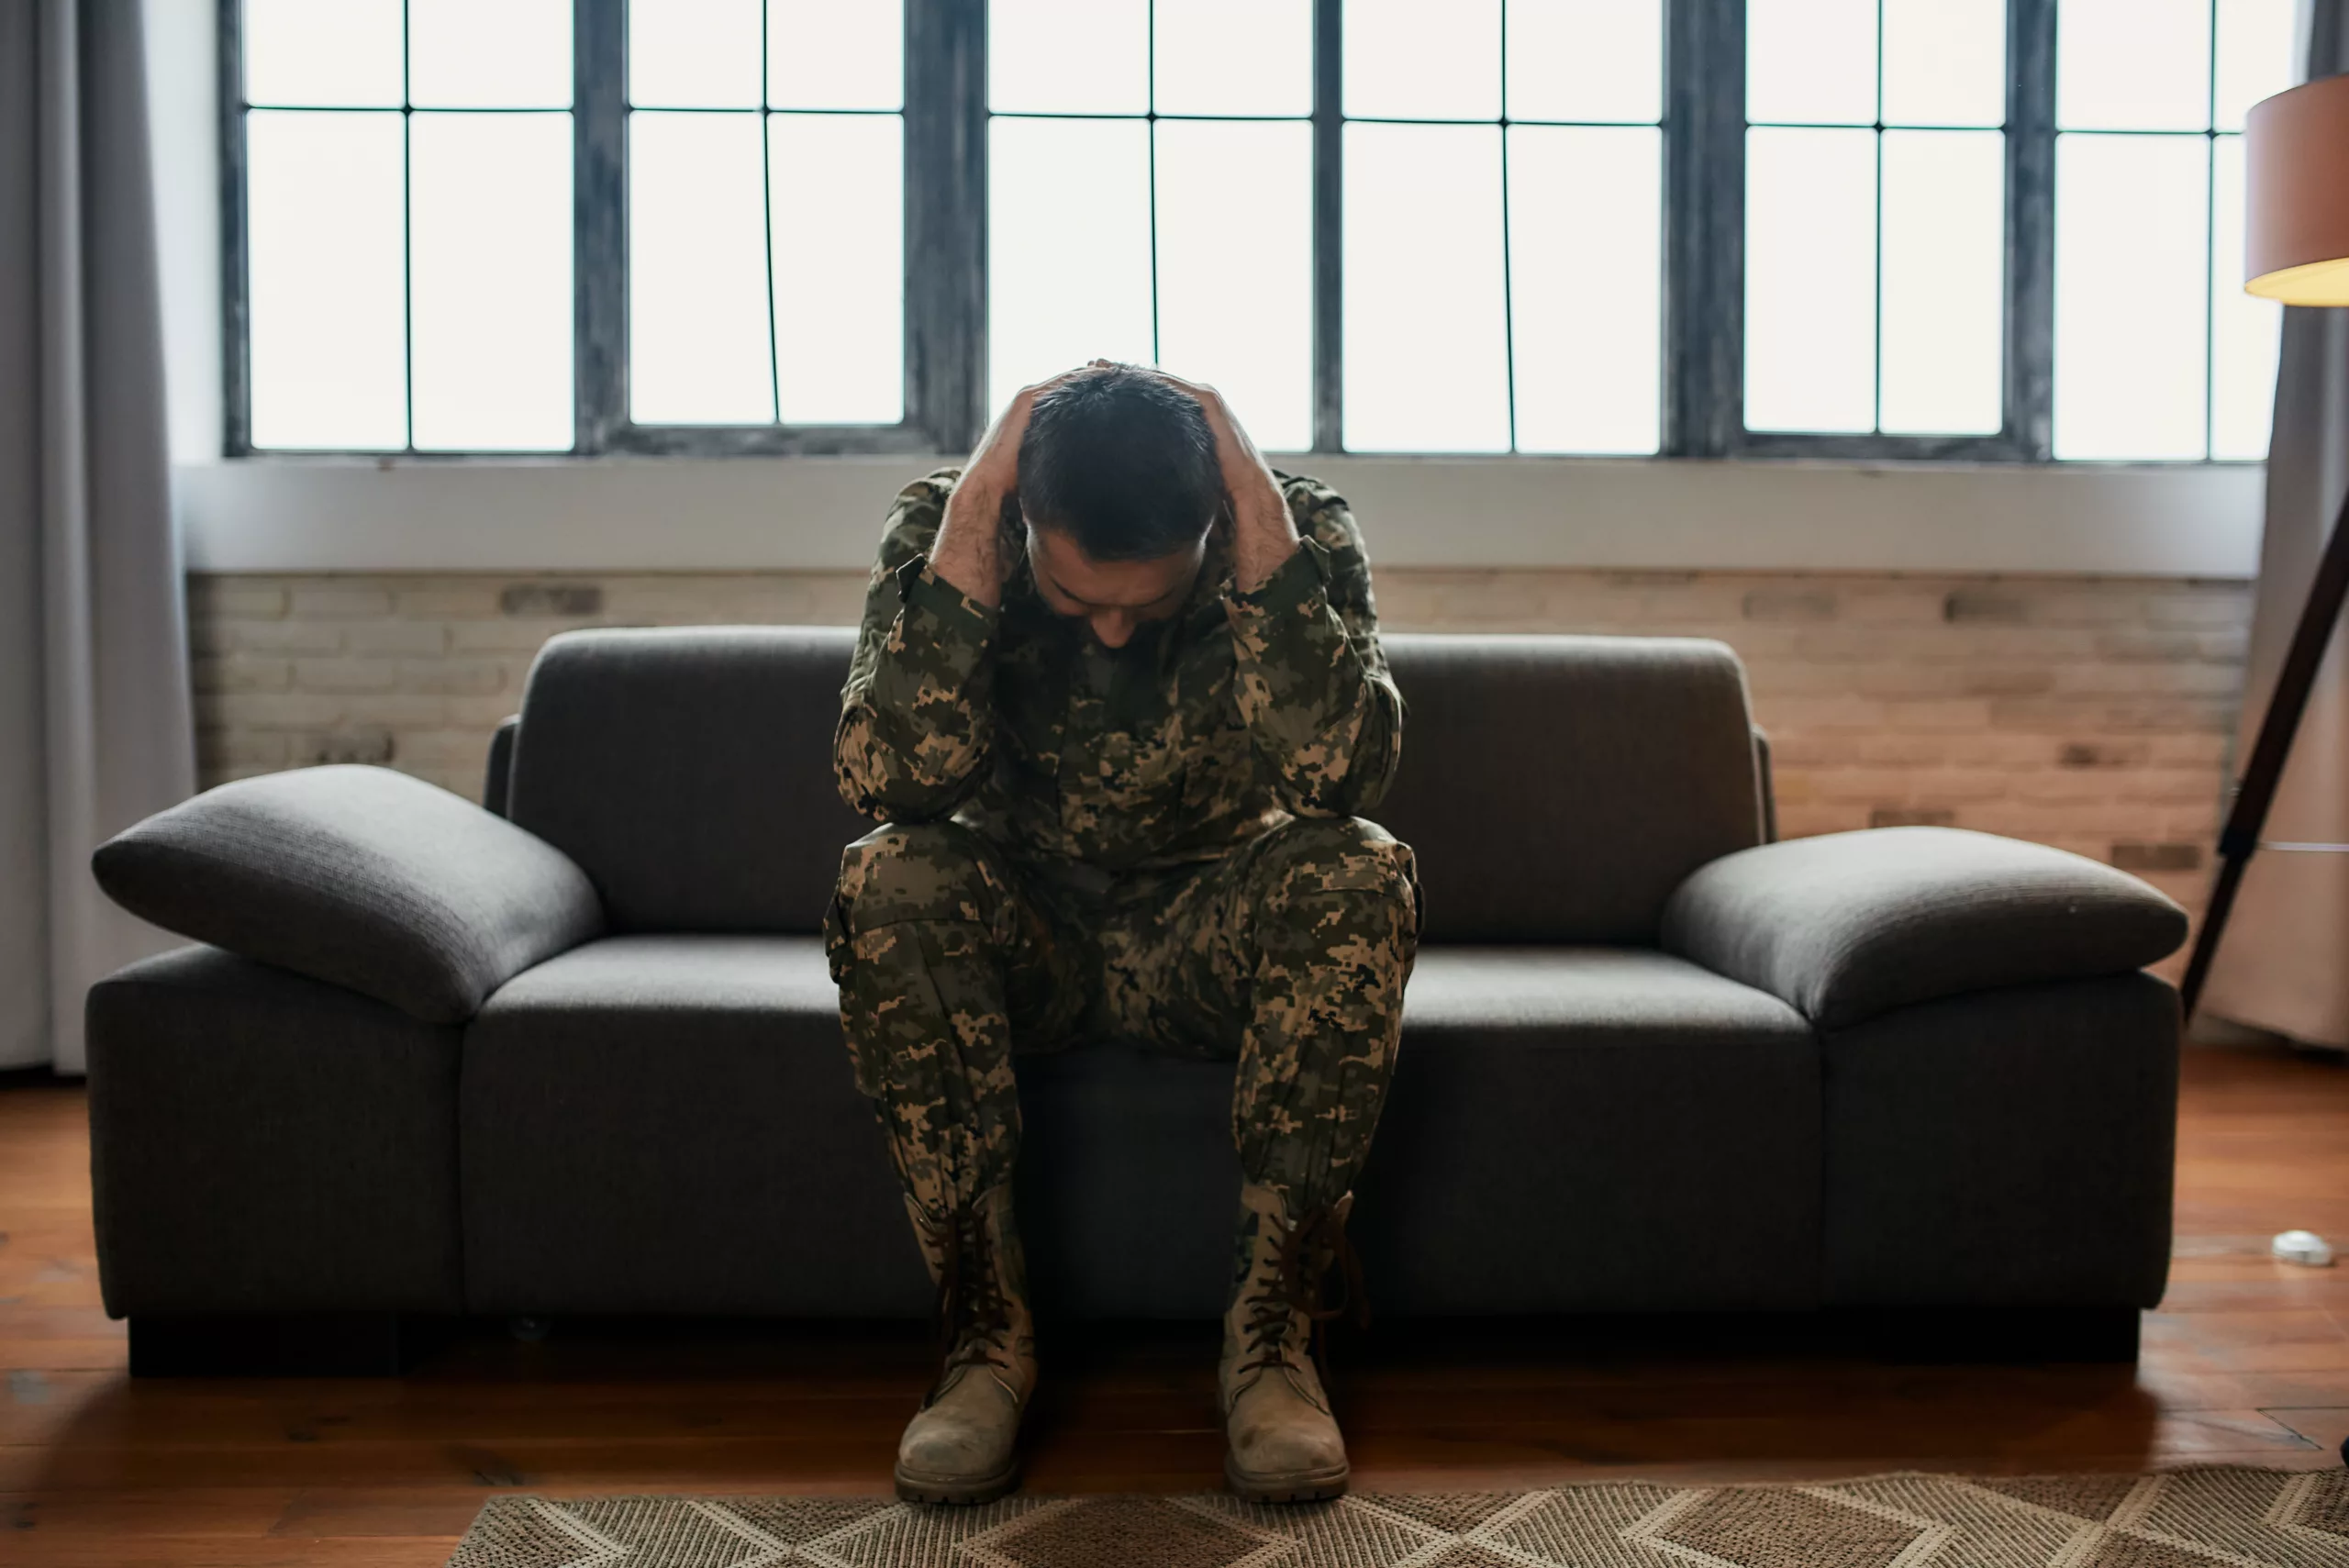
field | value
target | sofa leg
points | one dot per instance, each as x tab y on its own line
305	1344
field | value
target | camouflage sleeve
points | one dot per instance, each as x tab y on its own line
1313	684
915	718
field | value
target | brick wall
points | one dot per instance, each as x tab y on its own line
2092	714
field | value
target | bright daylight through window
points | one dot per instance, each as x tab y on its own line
2159	353
1150	196
1876	216
2001	229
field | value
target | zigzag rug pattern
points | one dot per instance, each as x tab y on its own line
2185	1518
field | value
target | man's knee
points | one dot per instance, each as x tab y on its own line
927	871
1343	860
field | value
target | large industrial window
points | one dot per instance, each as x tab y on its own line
1986	229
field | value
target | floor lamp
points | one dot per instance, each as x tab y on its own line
2297	150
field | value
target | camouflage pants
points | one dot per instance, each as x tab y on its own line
1289	954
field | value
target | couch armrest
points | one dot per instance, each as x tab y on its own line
361	877
1848	925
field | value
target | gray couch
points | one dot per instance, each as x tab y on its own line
586	1060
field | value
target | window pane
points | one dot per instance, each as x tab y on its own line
1810	61
1240	315
840	283
1585	60
489	54
490	211
694	54
1068	248
1425	352
836	54
2244	328
1408	60
1809	280
1585	230
698	349
2132	258
325	239
1068	57
2255	40
1945	63
2133	65
1234	57
298	51
1945	281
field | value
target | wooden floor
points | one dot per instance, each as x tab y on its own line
2247	1360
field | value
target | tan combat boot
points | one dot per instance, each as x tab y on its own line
1282	1442
962	1444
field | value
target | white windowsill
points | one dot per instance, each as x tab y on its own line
292	515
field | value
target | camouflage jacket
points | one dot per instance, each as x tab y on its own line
1201	732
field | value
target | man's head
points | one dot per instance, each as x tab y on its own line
1119	484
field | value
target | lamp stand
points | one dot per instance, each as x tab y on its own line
2239	840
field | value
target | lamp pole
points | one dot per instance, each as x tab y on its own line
2239	840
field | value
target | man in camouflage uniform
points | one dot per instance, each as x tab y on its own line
1118	702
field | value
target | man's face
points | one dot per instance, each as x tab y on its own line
1113	597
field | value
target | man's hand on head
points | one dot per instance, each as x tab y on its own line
1263	534
968	552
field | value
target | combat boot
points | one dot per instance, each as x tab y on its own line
963	1445
1282	1444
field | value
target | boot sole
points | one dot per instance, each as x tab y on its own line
956	1492
1298	1486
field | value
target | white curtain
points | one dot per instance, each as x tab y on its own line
2284	964
95	724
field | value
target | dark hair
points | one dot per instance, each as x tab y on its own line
1121	463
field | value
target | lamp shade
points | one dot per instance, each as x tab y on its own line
2297	150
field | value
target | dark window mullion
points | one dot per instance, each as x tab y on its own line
1705	226
236	314
946	218
2030	393
1329	225
599	223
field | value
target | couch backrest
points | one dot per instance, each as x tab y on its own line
689	770
1556	788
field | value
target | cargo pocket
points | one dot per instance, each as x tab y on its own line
836	943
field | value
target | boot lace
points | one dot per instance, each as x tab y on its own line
1301	1266
974	1318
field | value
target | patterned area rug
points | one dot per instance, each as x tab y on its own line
2188	1518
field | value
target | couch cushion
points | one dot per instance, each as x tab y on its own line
1559	788
689	770
1592	1130
1556	788
667	1123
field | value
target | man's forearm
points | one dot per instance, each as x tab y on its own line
968	551
1263	537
